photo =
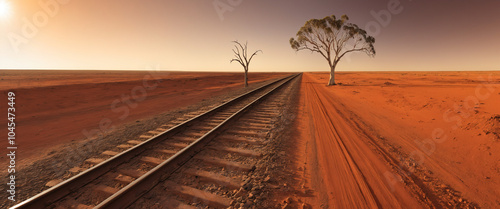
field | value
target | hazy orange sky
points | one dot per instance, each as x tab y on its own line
197	35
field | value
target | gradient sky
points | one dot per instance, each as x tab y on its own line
190	34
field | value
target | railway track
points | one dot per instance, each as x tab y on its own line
219	176
155	159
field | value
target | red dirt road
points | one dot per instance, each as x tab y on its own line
401	140
353	175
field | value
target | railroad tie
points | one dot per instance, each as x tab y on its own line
76	170
124	146
165	151
194	134
132	173
202	128
161	129
124	179
221	118
167	126
175	145
225	115
134	142
109	153
184	139
212	123
154	132
105	191
191	115
145	136
151	161
94	161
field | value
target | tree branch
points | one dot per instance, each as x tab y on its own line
242	56
353	50
255	53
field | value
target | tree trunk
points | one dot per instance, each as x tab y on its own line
246	78
332	75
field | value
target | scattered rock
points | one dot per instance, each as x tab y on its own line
239	193
388	83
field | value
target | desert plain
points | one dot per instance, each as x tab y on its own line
377	139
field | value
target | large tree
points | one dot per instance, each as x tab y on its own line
333	38
241	54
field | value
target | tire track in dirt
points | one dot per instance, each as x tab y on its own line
353	174
355	190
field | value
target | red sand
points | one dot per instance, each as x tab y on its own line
445	123
54	108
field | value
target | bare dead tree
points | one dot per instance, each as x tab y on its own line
333	38
241	54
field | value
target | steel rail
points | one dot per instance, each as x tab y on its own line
72	184
130	193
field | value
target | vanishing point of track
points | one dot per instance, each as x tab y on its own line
122	179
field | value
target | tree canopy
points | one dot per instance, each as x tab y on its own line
333	38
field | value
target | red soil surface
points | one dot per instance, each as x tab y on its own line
54	108
360	138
